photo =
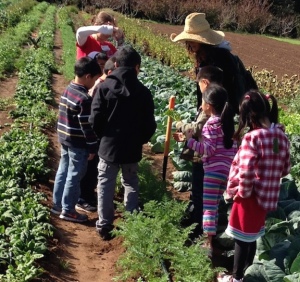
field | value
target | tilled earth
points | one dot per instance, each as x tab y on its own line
255	50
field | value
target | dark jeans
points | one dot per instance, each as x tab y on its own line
244	253
89	182
196	195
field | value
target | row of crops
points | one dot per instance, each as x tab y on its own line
154	239
24	220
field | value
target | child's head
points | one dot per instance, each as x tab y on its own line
255	109
103	18
216	97
87	71
101	59
127	56
109	65
207	75
215	102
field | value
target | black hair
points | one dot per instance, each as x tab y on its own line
216	96
109	65
211	73
101	56
255	107
127	56
87	65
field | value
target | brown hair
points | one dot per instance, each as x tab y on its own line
103	18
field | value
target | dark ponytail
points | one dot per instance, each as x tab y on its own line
217	97
255	107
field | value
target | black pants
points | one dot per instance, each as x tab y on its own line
196	195
89	182
244	253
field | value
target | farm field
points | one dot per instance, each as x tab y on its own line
76	252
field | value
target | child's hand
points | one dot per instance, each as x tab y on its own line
118	33
179	136
189	134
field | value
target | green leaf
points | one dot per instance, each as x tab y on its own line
296	265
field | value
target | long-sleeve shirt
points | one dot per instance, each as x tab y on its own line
86	43
215	156
73	127
263	158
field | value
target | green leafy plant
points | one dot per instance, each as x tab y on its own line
155	246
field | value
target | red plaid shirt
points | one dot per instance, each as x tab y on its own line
263	158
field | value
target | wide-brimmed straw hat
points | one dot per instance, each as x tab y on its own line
197	28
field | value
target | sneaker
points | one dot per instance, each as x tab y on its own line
223	277
86	207
73	216
56	210
105	233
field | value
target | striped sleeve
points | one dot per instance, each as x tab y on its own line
83	118
209	144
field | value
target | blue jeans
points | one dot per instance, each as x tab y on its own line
72	167
107	177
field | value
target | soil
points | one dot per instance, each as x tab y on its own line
76	252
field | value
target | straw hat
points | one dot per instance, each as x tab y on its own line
197	29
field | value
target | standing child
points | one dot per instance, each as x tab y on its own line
123	118
77	138
88	199
95	37
205	76
217	149
254	178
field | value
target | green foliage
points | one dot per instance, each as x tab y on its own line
13	38
12	14
291	120
285	89
152	188
295	154
175	116
66	27
157	46
152	238
24	221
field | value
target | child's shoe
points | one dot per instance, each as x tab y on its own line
73	216
56	210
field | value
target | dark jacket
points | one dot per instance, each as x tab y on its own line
122	116
221	58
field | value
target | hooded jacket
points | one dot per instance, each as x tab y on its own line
122	116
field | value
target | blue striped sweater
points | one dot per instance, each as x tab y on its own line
73	127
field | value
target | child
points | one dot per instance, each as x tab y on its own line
77	138
217	149
100	57
88	200
95	37
123	118
206	75
254	178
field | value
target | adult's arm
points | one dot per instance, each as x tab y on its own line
84	32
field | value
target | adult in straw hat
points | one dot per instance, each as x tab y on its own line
207	47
